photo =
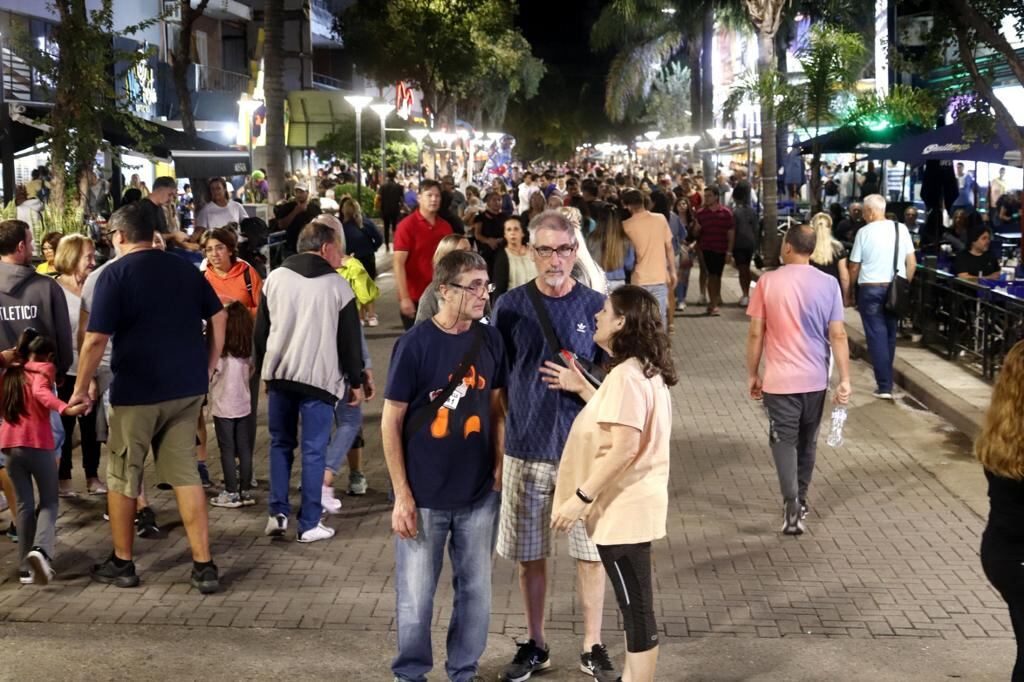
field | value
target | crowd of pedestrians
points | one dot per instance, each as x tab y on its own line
528	396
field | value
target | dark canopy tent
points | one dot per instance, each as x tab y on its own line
948	144
192	157
858	139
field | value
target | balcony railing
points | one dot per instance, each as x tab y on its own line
326	82
219	80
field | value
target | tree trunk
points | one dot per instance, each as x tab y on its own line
707	86
181	61
273	86
769	160
815	179
696	108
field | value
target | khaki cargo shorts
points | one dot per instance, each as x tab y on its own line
169	428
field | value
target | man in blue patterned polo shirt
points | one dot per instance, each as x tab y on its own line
536	429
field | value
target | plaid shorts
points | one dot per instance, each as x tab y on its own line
527	495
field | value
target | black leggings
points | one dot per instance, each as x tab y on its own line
390	221
1002	558
629	568
87	426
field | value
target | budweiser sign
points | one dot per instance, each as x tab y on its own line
945	148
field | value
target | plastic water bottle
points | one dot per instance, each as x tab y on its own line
835	434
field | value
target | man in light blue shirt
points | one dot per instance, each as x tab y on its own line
968	197
871	267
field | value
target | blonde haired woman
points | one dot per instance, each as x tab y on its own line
429	305
1000	448
362	239
829	253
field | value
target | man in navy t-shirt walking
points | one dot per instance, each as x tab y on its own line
538	423
441	429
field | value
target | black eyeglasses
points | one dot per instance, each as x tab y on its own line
563	251
482	289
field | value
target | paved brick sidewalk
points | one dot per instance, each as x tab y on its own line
890	553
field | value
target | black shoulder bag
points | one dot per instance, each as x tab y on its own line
897	296
424	414
591	372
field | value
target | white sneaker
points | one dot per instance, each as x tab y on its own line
882	395
42	571
276	525
330	503
373	321
744	301
320	532
681	306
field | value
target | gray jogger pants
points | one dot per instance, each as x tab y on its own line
794	420
23	466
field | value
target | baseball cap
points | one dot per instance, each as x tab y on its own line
302	185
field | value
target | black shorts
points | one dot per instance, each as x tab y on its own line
714	263
742	256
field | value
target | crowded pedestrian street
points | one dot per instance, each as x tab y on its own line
885	584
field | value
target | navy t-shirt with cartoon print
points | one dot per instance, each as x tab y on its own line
539	418
449	463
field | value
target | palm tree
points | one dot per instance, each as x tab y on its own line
273	86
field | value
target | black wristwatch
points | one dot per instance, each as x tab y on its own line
583	496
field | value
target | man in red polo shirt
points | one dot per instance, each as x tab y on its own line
416	239
716	231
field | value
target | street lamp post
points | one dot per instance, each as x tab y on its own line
382	110
359	103
419	134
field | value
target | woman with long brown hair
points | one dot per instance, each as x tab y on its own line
610	247
1000	448
614	469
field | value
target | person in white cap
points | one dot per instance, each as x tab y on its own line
297	213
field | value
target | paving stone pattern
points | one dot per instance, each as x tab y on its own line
890	552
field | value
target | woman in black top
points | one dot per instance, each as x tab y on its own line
1000	448
977	261
870	183
829	254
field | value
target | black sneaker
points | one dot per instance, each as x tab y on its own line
206	580
145	523
42	571
791	524
804	509
12	534
109	573
597	664
528	660
25	577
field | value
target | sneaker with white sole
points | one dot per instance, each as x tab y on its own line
882	395
373	321
227	499
681	306
529	659
276	525
42	571
330	503
319	532
247	498
744	301
791	522
25	577
357	483
598	664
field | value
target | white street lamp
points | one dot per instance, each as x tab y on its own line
359	103
382	110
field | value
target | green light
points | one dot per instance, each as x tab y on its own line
877	124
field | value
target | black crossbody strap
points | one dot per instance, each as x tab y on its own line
896	251
425	413
533	293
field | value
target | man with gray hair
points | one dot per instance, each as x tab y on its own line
796	316
541	410
442	430
306	310
871	266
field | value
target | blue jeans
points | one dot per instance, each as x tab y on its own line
472	531
283	411
880	330
347	422
660	292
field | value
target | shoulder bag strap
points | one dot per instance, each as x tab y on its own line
425	413
896	251
533	293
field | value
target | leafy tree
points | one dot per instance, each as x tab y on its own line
77	66
967	30
446	48
341	143
506	70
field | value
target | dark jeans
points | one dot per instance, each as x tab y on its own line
90	443
390	221
793	425
283	411
1002	558
880	330
233	441
25	465
408	322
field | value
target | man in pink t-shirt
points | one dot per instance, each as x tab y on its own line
796	315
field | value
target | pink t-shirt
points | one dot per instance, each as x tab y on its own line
796	302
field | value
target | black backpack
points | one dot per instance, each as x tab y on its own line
255	235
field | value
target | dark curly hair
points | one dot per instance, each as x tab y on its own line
643	333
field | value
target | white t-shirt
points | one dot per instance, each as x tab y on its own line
873	248
524	196
212	216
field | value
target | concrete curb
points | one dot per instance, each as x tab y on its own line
937	398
